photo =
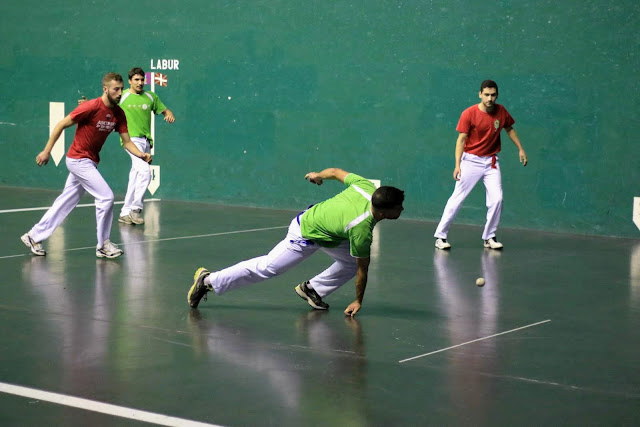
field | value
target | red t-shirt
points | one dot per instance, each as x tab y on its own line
483	129
95	122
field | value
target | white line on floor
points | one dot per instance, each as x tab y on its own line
476	340
44	208
164	240
104	408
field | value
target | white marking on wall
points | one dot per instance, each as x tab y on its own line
153	117
636	211
375	245
155	179
56	113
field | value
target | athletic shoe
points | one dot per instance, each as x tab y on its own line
108	250
492	243
125	219
136	218
35	247
199	289
312	297
442	244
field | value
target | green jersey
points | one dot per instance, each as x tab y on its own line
138	108
346	216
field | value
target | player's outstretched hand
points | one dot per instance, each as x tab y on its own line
169	117
352	309
42	158
523	158
314	178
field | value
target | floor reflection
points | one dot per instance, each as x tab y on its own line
634	281
472	313
326	364
139	265
77	316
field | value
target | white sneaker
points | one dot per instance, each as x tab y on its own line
108	250
136	218
125	219
492	243
442	244
35	247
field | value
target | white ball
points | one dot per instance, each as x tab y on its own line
480	281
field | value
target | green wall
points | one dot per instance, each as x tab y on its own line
375	87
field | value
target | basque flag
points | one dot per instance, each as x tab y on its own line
155	78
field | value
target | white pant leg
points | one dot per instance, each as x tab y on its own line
340	272
493	185
292	250
83	176
61	207
139	178
86	172
472	168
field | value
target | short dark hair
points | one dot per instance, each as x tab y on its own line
489	84
136	71
111	76
387	197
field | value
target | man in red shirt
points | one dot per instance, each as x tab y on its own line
477	147
96	119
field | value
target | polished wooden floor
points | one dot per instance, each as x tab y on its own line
553	338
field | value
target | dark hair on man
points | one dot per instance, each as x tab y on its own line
136	71
387	197
111	76
489	84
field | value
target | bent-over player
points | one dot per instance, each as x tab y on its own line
342	227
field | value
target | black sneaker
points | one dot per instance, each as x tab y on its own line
312	297
199	288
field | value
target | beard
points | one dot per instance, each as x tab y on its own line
113	101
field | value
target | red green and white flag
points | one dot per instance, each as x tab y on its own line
155	79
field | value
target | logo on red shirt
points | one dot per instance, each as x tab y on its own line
105	126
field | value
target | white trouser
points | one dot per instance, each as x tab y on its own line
291	251
139	178
83	176
472	168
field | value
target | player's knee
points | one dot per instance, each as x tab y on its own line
267	271
270	271
495	200
105	199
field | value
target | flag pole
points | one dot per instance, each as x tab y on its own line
153	116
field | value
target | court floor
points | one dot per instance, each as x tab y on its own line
553	338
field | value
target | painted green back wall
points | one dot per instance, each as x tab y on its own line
268	90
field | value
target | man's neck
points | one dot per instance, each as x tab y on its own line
377	215
106	101
485	109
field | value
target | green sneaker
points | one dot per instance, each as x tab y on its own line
199	289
